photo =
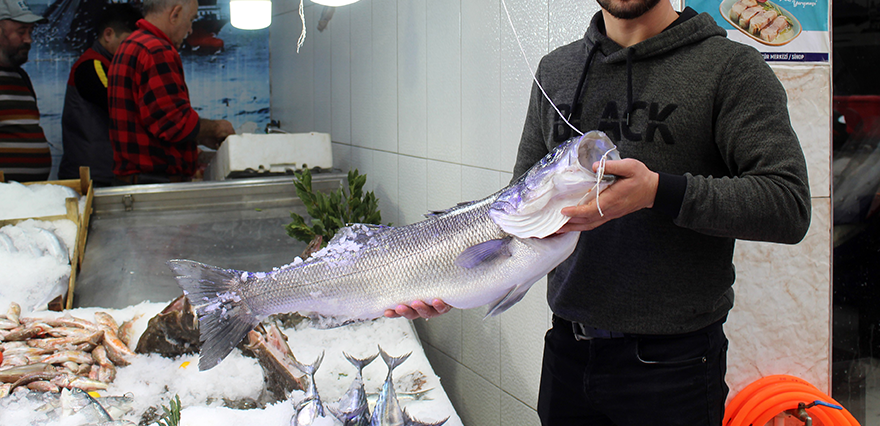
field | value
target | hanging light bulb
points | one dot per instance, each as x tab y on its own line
334	2
250	14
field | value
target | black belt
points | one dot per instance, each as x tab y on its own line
585	332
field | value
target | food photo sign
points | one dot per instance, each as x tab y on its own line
782	30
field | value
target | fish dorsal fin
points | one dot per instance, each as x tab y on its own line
511	298
435	213
484	252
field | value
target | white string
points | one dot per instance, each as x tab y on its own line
534	77
600	173
302	36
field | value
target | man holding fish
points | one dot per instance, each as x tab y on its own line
637	333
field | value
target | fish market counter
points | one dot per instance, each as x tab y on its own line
229	393
236	224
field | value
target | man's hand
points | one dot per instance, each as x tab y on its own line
213	132
419	309
635	189
224	129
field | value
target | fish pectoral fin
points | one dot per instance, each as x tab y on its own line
511	298
484	252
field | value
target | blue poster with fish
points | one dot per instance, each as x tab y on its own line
782	30
226	68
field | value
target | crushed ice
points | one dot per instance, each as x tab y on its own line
23	201
35	262
347	241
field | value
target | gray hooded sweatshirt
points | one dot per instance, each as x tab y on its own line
710	117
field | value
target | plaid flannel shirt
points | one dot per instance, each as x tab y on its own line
152	124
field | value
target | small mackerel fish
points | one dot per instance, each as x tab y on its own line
388	411
353	409
488	251
310	407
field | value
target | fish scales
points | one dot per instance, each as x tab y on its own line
412	263
486	251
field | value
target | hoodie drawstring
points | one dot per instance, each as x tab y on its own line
630	53
583	79
629	82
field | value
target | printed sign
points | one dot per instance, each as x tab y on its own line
782	30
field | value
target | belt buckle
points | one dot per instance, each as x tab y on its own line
580	332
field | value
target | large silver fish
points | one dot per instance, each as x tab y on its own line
488	251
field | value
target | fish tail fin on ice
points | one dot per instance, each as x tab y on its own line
308	368
391	361
360	363
225	318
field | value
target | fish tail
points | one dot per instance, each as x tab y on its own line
360	363
225	317
391	361
307	368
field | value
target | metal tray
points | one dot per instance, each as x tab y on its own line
236	224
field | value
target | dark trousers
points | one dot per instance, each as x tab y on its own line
633	380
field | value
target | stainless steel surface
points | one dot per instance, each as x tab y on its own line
236	224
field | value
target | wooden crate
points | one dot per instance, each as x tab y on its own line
84	187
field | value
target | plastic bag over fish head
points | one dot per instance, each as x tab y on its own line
531	207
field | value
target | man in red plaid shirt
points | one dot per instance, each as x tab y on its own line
154	129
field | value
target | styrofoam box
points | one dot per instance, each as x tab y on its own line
273	152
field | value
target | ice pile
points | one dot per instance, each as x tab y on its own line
35	262
35	255
23	201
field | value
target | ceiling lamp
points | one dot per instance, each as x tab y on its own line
334	2
250	14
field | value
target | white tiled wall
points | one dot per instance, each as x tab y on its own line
428	98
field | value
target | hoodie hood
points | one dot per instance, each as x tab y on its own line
691	31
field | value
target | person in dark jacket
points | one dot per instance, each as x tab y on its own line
85	121
639	307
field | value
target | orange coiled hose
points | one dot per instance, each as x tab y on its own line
769	396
